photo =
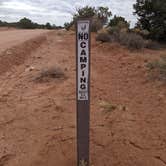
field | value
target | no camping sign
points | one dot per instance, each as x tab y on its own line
83	59
83	90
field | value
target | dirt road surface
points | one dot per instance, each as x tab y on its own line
38	118
11	38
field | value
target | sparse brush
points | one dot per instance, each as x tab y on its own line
125	38
50	73
131	40
107	106
103	37
152	45
158	68
83	163
60	33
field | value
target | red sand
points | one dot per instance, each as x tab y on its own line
37	120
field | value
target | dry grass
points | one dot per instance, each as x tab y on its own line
158	69
153	45
103	37
83	163
107	106
52	73
131	40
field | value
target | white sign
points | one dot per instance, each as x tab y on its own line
83	38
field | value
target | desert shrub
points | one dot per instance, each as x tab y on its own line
131	40
114	33
50	73
122	35
145	33
135	30
26	23
114	37
107	106
48	26
118	21
117	25
150	44
116	29
96	24
67	26
103	37
83	163
112	30
158	68
99	17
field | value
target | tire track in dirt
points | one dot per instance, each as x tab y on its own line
43	112
18	54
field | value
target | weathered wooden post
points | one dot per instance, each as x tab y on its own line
83	37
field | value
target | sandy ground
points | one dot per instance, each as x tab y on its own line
38	119
10	38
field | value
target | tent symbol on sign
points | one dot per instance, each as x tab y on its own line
83	27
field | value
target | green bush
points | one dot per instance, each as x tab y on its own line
99	17
26	23
67	26
119	21
151	17
48	25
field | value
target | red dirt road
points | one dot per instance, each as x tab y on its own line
38	120
11	38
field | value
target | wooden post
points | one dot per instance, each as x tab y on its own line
83	90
